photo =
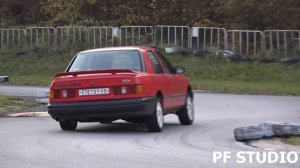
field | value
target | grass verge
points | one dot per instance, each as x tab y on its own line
32	66
36	67
219	75
266	88
292	141
13	104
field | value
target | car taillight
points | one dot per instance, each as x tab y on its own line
124	90
66	93
51	94
54	94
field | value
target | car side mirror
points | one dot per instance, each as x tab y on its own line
179	70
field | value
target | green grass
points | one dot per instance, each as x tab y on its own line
292	141
32	66
274	88
13	104
37	66
219	75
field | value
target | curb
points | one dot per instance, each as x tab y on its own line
29	114
201	91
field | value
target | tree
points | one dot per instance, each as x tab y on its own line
15	13
230	14
257	14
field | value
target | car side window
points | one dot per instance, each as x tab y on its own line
167	64
155	63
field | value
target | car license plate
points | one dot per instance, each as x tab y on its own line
90	92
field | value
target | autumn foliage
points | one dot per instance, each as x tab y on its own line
230	14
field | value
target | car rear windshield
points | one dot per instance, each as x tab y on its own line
103	60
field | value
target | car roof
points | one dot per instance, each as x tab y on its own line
119	48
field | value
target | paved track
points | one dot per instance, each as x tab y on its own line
39	142
24	91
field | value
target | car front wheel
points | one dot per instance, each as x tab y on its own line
186	114
155	122
68	125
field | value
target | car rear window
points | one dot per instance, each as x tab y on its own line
102	60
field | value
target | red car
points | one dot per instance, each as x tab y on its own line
135	84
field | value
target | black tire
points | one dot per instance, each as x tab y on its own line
68	125
155	122
185	116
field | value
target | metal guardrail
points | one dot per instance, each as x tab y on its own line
282	41
70	35
40	36
136	35
248	42
102	36
168	35
209	37
11	37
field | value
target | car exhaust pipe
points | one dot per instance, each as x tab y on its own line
57	118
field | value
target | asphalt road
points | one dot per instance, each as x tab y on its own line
39	142
23	91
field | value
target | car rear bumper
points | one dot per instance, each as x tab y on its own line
97	110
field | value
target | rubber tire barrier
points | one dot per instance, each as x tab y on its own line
266	130
4	79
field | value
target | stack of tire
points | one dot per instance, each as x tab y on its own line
4	79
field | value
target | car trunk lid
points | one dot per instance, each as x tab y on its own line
93	85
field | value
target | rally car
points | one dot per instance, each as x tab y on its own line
135	84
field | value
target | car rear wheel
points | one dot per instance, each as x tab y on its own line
155	122
186	114
68	125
